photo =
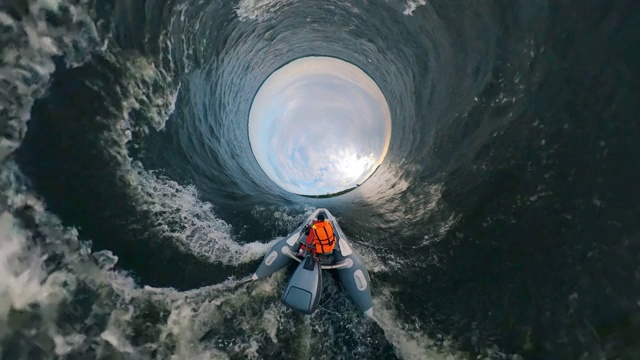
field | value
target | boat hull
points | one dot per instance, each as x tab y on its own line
277	257
304	288
355	279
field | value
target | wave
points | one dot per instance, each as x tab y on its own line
132	208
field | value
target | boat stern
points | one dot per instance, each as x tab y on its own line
304	289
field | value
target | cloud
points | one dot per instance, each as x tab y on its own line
319	125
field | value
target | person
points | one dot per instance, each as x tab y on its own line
320	236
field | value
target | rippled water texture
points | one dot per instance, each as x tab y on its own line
501	224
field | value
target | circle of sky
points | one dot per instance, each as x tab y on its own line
319	125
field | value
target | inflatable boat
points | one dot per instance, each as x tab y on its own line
304	289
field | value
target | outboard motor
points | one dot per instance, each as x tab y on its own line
305	287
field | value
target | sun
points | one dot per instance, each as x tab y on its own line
353	166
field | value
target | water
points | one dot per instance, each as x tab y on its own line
502	223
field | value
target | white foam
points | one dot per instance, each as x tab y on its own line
66	344
271	318
21	272
116	340
172	104
409	343
251	351
27	63
191	313
412	5
52	5
6	20
258	9
182	216
282	217
181	328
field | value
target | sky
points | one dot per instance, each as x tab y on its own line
319	125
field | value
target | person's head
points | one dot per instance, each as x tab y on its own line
321	217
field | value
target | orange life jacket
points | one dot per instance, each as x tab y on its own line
322	237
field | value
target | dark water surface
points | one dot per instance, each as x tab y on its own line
502	223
